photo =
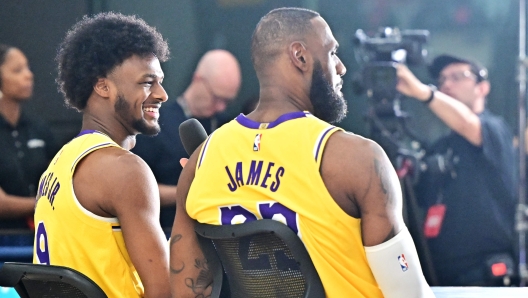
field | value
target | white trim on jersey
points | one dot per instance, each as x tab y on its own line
89	213
204	150
320	138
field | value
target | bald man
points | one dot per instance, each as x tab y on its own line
215	84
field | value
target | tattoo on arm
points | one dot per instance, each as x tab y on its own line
203	281
173	240
379	171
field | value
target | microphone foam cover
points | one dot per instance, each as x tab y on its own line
192	134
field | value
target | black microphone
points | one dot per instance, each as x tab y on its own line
192	134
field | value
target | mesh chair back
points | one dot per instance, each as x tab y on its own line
262	258
35	280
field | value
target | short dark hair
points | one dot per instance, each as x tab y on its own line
3	53
274	29
94	46
440	62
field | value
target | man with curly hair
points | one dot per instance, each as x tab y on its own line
98	204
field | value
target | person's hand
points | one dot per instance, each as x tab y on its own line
2	194
409	85
183	161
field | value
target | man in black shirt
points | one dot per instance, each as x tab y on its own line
475	200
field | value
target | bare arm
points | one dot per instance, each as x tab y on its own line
127	189
15	206
167	194
364	184
190	275
370	190
452	112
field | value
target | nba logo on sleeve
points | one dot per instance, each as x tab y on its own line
403	264
256	143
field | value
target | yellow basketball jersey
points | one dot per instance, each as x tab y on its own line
67	234
249	171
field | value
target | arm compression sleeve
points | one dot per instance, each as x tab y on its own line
397	269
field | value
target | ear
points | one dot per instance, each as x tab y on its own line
299	55
101	87
484	88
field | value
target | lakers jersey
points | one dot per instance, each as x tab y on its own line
248	171
67	234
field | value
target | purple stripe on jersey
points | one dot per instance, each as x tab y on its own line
244	121
321	141
84	153
203	151
86	131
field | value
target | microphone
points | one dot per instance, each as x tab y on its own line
192	134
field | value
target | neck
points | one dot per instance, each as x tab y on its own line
479	106
188	97
277	101
113	130
182	101
10	110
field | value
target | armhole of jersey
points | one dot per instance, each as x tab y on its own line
203	151
81	207
320	143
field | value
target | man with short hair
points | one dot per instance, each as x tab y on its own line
477	194
338	190
215	84
98	204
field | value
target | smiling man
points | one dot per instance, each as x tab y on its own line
214	85
338	191
97	203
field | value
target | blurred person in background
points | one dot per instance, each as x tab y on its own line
472	201
26	145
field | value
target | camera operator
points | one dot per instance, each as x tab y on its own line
473	203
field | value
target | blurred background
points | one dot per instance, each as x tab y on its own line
485	30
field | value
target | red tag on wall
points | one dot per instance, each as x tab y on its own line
433	220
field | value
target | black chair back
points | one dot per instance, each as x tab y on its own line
36	280
262	258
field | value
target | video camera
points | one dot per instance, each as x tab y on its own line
379	55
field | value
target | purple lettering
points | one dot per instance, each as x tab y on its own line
41	244
41	187
46	186
279	212
55	190
275	185
235	215
232	186
239	176
254	172
263	184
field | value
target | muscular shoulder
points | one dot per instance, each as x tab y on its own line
114	163
110	176
351	150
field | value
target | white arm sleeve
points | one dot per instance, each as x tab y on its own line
397	269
